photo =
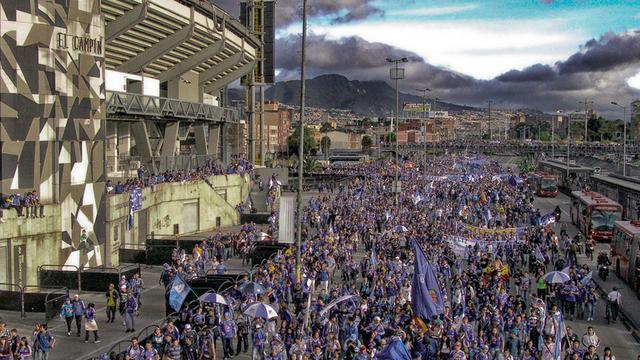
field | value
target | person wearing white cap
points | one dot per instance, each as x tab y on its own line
123	301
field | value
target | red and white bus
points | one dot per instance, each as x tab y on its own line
594	214
544	184
624	252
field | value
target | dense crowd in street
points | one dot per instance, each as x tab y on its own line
464	267
492	294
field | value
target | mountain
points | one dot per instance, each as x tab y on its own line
372	98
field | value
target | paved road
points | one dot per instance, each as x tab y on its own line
615	335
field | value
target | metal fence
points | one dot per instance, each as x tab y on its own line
95	278
126	166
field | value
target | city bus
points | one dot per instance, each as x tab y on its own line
624	252
544	184
594	214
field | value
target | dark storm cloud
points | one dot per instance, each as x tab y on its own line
289	11
336	55
606	53
537	72
598	71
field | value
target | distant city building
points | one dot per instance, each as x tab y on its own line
277	122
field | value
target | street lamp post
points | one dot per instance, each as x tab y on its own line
586	103
624	136
397	73
301	143
490	130
424	126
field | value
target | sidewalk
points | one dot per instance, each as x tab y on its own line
629	296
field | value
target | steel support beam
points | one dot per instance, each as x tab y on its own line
218	69
170	139
157	50
214	140
193	61
233	75
141	135
201	139
125	22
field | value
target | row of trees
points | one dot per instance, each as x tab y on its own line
311	145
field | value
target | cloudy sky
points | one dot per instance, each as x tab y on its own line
548	54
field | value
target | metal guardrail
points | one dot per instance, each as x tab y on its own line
21	290
153	106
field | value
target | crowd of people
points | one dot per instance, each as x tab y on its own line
458	269
482	238
201	173
27	205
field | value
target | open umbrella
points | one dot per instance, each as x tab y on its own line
213	298
335	302
556	277
251	287
261	310
400	229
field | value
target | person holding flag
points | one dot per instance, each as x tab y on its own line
425	292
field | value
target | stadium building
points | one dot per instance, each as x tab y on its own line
90	90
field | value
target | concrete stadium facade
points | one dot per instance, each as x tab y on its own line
63	127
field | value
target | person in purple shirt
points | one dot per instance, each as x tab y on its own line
90	324
228	330
130	312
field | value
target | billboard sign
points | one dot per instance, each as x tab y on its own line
416	108
438	114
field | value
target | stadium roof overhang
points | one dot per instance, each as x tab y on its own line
167	38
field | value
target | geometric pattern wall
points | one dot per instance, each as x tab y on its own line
52	114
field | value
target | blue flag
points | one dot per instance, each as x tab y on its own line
557	351
373	260
394	351
426	299
587	279
177	294
539	255
547	219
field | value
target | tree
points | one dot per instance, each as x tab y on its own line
326	127
366	143
311	165
325	145
294	141
391	137
526	164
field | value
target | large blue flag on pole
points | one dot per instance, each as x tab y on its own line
426	298
394	351
177	294
560	331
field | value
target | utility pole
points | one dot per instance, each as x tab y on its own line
434	102
424	125
490	131
586	103
624	135
301	145
397	73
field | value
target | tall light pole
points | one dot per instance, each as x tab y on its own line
490	131
397	73
586	103
553	138
624	135
424	125
434	101
301	144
